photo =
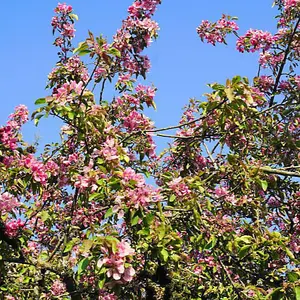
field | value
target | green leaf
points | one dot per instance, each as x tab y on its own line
83	265
45	215
71	115
94	196
246	239
82	49
264	185
115	183
229	94
211	243
114	52
40	101
172	198
69	246
175	257
109	213
164	255
135	220
297	292
74	17
87	245
289	253
161	231
144	232
101	282
37	119
244	251
276	294
113	242
293	276
149	219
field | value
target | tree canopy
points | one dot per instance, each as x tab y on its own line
79	218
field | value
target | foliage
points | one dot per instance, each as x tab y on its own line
80	221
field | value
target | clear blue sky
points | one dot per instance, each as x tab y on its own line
181	64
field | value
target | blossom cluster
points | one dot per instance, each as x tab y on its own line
179	187
136	33
12	227
8	202
36	168
216	32
267	58
9	134
117	264
255	40
291	4
63	23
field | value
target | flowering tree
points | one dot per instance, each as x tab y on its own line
79	221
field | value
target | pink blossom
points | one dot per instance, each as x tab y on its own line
216	32
255	40
109	150
222	192
296	79
63	8
8	202
106	296
136	120
36	168
116	263
265	83
58	288
129	174
284	85
12	227
9	133
124	249
142	196
291	4
99	72
267	58
179	187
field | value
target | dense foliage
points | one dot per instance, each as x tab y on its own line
80	221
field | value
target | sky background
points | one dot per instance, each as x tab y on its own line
181	64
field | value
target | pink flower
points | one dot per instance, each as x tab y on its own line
221	192
68	30
109	150
296	79
9	134
135	121
63	8
124	249
128	274
36	168
291	4
266	58
12	227
130	174
284	85
8	202
99	72
255	40
179	187
216	32
116	263
265	83
58	288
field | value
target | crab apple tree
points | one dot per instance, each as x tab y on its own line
79	219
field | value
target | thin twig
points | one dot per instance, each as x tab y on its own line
286	53
210	156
